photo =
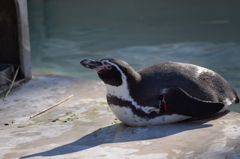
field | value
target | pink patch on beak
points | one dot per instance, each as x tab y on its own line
98	69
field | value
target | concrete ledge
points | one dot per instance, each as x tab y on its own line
84	127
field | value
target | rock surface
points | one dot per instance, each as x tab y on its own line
84	127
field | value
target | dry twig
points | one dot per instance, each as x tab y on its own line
8	79
14	78
45	110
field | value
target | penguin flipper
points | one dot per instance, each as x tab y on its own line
180	102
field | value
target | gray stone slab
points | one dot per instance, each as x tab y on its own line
84	127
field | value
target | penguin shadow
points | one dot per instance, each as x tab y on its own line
119	133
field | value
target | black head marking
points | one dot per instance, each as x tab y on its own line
111	76
111	70
114	75
107	69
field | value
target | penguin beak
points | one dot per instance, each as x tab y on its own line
88	63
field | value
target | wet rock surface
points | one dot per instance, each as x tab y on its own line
84	127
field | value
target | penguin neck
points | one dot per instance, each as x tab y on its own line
132	77
129	79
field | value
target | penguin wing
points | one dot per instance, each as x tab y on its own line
180	102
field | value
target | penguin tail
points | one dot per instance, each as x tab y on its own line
236	97
237	100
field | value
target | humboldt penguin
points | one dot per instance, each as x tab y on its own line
162	93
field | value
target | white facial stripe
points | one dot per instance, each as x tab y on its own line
123	93
113	64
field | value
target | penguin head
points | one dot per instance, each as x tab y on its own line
110	71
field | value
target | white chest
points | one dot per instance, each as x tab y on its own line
126	115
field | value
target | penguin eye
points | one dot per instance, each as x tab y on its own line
109	67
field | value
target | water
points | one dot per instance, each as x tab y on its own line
205	33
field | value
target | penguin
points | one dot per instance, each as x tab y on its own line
162	93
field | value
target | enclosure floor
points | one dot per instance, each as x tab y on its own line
84	127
